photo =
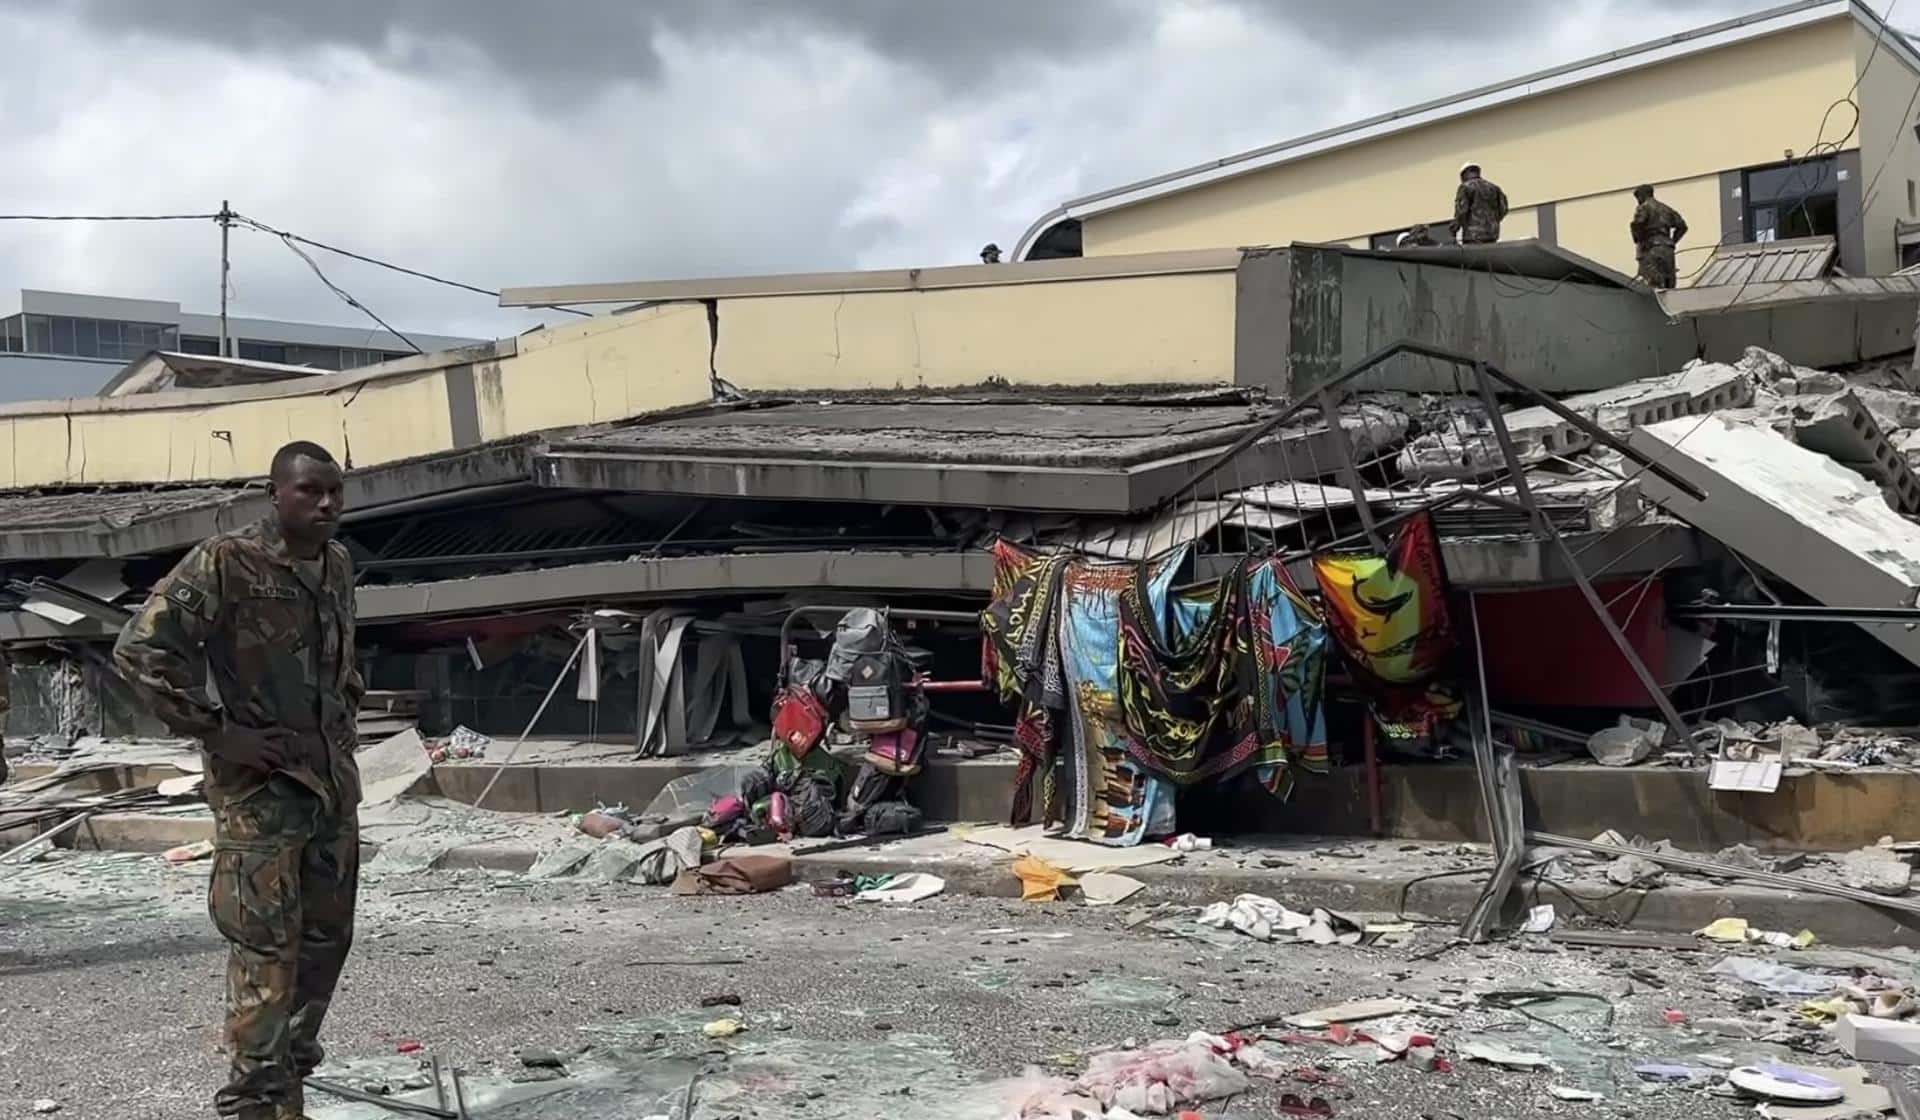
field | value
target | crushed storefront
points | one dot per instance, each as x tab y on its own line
1324	603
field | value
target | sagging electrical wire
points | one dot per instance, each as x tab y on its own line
290	238
347	296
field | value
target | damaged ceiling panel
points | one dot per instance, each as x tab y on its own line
1093	457
1769	262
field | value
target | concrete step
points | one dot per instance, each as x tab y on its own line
1819	811
1387	879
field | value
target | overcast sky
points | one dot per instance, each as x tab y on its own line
503	142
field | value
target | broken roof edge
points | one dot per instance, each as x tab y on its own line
1063	270
1524	258
1687	303
320	384
138	373
1169	394
1579	72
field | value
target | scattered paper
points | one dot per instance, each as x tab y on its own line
1040	881
1104	888
1744	777
723	1028
1773	977
912	887
1539	919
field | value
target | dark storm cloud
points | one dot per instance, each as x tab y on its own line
576	46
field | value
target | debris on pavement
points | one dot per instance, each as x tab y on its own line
1507	1057
1358	1012
187	853
1040	881
1108	888
912	887
1870	1039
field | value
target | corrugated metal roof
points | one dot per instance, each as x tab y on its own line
1769	262
1682	303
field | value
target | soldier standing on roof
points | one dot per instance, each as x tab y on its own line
268	612
1478	208
1656	229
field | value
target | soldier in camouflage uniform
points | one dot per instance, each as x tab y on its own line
1656	229
268	611
1478	208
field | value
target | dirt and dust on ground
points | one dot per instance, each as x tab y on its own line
568	998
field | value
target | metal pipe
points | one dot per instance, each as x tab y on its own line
459	1097
47	835
517	743
1728	871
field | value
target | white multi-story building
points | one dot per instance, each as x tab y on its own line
58	344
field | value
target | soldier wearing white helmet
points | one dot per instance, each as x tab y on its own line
1478	208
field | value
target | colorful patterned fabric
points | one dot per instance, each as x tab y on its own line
1176	678
1287	664
1110	797
1227	677
1020	654
1127	689
1389	615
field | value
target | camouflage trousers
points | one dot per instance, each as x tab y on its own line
285	874
1657	268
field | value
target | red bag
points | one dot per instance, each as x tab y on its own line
799	719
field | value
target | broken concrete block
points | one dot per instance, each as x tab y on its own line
1466	452
1629	871
1795	741
1841	428
1876	869
1823	528
1867	1039
1764	366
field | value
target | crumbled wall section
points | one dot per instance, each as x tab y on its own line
1802	516
1844	430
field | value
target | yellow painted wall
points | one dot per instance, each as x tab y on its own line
1125	330
1887	145
1596	226
385	420
1733	107
606	368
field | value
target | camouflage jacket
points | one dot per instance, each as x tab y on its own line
277	649
1478	209
1656	225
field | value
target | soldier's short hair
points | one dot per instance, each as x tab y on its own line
1643	191
284	458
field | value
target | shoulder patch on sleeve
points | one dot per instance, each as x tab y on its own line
189	597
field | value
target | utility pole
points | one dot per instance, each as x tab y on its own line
226	228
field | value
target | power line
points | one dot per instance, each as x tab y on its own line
337	290
108	217
291	237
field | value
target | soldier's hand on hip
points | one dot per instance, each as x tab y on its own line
262	749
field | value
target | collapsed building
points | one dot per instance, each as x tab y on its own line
707	478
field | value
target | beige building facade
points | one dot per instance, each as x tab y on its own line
1792	122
